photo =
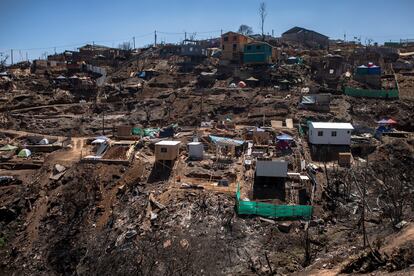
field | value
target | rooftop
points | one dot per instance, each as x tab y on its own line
168	143
194	143
300	29
330	125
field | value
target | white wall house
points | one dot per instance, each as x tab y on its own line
330	133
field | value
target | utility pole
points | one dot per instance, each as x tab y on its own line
155	38
103	123
27	58
273	33
133	38
185	35
11	55
221	32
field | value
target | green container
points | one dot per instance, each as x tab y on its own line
362	71
371	93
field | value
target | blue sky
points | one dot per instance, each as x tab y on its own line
37	26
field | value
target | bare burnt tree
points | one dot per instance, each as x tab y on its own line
395	195
245	30
3	59
125	46
263	14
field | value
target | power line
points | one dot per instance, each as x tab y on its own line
79	44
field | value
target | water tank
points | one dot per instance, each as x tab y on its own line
374	70
195	150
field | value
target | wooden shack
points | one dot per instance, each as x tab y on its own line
167	150
124	131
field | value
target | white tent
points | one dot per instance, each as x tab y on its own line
44	141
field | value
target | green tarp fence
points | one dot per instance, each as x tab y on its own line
271	210
370	93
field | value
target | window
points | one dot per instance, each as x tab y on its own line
234	38
320	133
234	47
348	131
249	47
258	47
223	47
226	38
333	133
164	150
191	49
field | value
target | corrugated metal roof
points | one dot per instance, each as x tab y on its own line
331	125
224	141
271	168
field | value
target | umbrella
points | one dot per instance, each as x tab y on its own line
102	138
391	122
387	122
99	141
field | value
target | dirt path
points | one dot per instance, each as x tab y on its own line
398	239
26	133
47	106
72	155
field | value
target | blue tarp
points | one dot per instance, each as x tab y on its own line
226	141
381	129
142	75
166	132
284	137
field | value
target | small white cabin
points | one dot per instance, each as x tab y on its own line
330	133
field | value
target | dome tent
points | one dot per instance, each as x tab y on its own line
24	153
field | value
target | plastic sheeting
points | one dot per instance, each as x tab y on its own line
224	141
271	210
151	132
8	148
137	131
284	137
308	100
